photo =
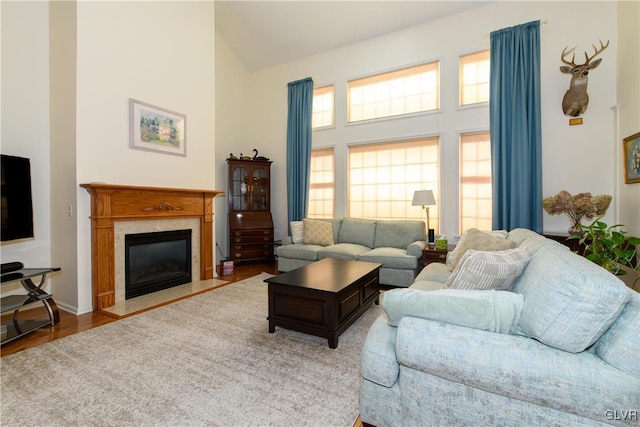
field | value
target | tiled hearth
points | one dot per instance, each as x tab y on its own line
124	307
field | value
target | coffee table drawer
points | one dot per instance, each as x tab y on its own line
370	286
348	305
293	307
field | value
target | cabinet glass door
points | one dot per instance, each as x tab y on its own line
259	190
240	189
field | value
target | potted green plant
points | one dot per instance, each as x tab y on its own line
610	248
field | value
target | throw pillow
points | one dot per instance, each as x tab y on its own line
478	240
455	254
484	270
297	231
317	233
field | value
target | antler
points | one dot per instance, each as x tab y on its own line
597	51
565	53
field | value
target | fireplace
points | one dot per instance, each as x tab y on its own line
113	206
156	261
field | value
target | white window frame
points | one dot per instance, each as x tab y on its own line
324	105
478	81
319	183
384	95
481	204
395	197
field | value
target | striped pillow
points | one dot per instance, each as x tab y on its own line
297	231
473	238
489	269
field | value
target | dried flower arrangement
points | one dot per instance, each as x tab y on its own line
576	207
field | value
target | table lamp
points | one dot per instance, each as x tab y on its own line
425	199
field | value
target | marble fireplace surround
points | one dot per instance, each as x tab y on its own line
117	210
122	228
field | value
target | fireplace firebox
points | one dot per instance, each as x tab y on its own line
156	261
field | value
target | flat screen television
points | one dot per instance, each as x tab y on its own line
16	199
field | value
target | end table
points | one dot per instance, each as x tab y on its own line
431	254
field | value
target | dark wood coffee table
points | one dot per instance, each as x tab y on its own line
323	298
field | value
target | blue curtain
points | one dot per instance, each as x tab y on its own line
300	105
514	111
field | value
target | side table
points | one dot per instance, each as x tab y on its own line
431	254
16	327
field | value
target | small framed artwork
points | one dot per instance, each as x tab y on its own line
157	129
631	148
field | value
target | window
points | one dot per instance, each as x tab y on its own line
474	78
408	90
475	181
322	107
383	177
322	184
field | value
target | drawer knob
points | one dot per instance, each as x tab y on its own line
238	240
238	254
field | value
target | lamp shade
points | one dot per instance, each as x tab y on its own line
423	198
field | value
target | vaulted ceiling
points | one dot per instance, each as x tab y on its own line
266	33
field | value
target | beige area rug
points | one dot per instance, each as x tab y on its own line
206	360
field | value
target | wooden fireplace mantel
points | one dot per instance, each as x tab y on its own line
110	203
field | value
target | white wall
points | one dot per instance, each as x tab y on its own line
25	118
576	158
64	235
162	53
628	107
232	128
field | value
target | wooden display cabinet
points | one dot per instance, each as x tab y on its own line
250	221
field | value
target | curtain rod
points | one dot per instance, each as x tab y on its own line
487	37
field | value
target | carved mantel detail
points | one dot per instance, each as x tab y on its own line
162	206
110	203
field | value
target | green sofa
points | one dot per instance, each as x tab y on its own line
396	244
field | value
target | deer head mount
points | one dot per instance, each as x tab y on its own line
576	99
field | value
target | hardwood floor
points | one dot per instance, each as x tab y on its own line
71	324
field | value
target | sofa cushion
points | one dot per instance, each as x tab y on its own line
342	251
398	234
297	231
298	251
390	258
479	240
569	301
358	231
489	270
435	272
620	344
495	311
318	232
532	241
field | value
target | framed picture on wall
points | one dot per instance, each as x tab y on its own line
157	129
631	149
